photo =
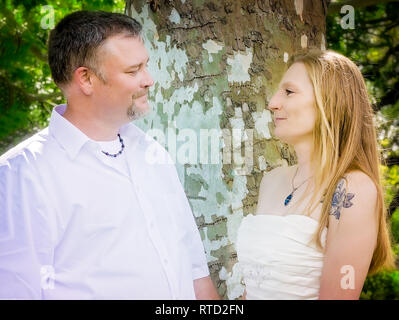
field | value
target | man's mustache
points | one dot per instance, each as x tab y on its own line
140	94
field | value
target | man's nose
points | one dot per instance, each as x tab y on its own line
148	81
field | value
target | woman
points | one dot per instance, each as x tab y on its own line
320	226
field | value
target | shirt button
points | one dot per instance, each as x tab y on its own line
151	224
166	261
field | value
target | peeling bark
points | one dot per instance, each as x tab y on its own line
224	84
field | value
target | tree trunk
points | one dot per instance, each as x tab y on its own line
216	64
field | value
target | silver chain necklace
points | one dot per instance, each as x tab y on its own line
289	197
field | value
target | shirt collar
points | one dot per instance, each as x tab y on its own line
71	138
66	134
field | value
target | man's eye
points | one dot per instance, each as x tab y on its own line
288	92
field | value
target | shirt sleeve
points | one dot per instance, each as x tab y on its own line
25	250
192	238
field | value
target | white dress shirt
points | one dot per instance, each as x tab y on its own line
76	224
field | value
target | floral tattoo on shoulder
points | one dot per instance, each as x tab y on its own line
340	199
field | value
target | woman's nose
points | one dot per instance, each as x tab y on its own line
274	103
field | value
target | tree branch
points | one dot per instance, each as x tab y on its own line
391	51
394	204
391	161
38	53
391	26
377	21
390	97
43	97
335	7
34	48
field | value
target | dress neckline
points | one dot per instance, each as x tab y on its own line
286	216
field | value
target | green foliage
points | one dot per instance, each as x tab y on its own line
27	92
373	46
381	286
395	229
391	182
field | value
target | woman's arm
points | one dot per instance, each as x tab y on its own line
351	239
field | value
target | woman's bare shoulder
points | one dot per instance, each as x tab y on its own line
355	195
359	178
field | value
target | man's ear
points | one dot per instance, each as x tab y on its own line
83	77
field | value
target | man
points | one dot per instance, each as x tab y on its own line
83	214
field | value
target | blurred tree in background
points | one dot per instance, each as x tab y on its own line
373	44
27	92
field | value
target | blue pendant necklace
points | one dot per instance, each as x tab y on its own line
289	197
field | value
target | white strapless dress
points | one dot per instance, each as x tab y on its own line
276	259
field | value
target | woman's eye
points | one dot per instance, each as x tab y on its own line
288	92
132	72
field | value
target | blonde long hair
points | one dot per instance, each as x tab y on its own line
344	139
